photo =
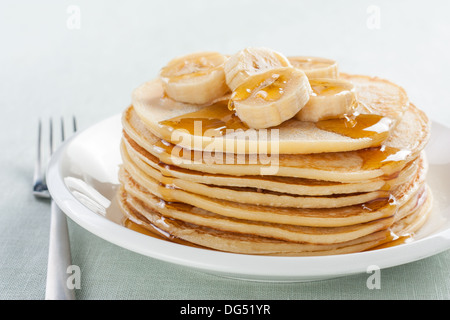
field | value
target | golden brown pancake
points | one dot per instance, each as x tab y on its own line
158	111
403	145
288	185
343	185
252	244
380	208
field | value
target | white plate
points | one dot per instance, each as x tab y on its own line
82	178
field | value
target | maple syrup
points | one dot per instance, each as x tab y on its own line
387	201
154	232
357	126
393	240
141	229
215	120
383	156
262	87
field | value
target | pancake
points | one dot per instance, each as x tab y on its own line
403	145
379	95
297	233
237	243
177	176
404	229
250	244
174	122
250	196
382	207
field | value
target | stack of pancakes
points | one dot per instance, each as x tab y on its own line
336	186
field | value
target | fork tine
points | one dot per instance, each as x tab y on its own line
39	184
62	129
74	120
39	179
51	136
37	165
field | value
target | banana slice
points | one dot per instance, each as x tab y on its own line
270	98
316	67
331	98
251	61
197	78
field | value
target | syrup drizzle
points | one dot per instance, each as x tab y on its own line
213	120
267	89
378	157
357	126
154	232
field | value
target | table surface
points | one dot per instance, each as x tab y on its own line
84	58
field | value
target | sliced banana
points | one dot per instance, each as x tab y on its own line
197	78
251	61
316	67
330	98
270	98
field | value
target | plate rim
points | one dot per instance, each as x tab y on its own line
242	266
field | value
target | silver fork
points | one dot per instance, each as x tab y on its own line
59	257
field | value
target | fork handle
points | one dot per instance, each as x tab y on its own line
59	258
